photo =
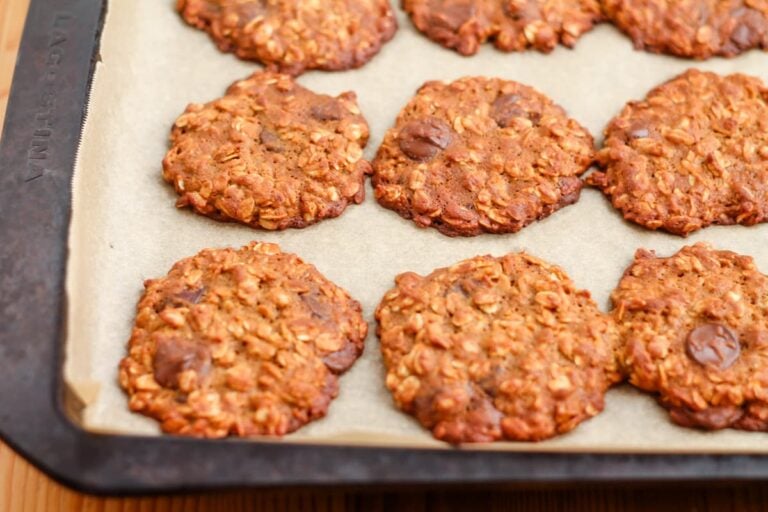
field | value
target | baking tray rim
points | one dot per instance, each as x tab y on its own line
46	110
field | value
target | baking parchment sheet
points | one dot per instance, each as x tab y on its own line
126	229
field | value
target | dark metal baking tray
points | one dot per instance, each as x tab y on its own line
48	102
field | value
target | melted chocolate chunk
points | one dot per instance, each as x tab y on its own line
191	296
713	345
748	32
175	355
422	139
522	11
341	360
490	381
638	129
570	189
327	111
507	107
712	418
246	11
183	298
319	308
453	14
271	141
457	288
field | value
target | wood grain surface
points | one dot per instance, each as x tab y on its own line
12	13
25	489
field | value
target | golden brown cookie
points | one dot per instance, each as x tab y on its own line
496	348
292	36
695	332
697	29
240	342
694	152
512	25
270	154
480	155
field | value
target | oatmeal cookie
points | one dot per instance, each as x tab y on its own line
480	155
240	342
496	348
270	154
292	36
696	29
695	332
693	153
512	25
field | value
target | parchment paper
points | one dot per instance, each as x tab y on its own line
126	229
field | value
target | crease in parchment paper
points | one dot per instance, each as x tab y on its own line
126	229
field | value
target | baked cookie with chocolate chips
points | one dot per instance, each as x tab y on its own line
693	153
697	30
480	155
270	154
512	25
496	348
292	36
240	342
695	332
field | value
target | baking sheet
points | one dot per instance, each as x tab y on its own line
126	229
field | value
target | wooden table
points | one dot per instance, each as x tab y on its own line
24	488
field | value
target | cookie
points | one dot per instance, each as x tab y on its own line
292	36
695	332
496	348
512	25
480	155
240	342
270	154
693	153
698	30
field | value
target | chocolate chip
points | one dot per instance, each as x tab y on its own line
453	14
712	418
319	308
457	288
191	296
479	420
246	11
271	141
570	189
422	139
341	360
521	11
490	381
330	110
181	299
175	355
713	345
743	36
507	107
